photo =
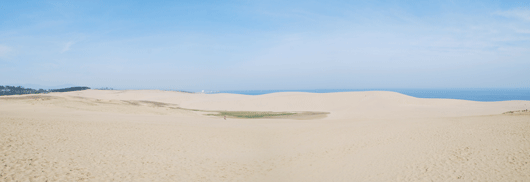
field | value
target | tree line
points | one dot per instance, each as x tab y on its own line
18	90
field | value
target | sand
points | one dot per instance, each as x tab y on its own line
96	135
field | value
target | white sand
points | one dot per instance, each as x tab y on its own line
369	136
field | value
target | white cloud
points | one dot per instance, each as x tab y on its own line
67	46
4	50
516	13
525	31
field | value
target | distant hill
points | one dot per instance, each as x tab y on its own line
45	87
69	89
19	90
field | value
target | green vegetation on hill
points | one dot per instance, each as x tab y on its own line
251	114
12	90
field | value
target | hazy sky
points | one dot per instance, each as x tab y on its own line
247	45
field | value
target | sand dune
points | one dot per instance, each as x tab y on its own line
150	135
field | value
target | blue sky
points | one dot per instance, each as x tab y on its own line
247	45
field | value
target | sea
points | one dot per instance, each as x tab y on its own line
486	95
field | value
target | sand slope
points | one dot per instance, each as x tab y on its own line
368	136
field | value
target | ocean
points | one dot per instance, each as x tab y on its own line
463	94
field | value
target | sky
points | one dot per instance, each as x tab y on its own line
266	45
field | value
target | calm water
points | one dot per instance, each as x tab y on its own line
464	94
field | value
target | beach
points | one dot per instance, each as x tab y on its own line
152	135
